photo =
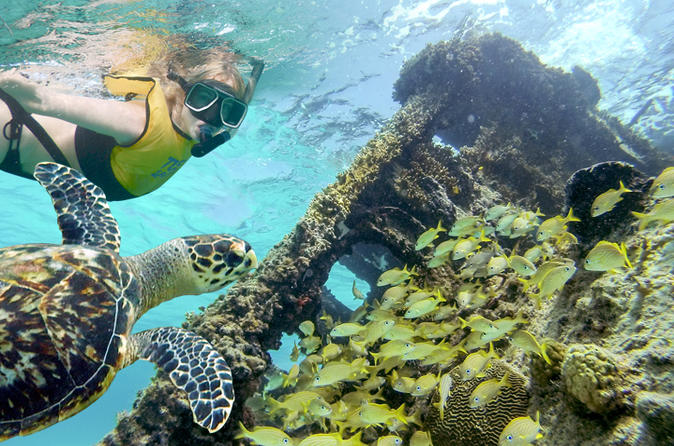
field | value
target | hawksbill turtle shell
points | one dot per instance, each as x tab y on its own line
66	312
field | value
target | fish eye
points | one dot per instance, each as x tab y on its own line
477	398
661	187
285	441
318	378
587	260
467	371
418	388
509	438
397	440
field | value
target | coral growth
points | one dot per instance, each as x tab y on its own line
522	129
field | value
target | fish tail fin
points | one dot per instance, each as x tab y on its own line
644	219
243	432
491	351
376	356
464	323
504	380
622	188
623	249
439	228
525	282
544	347
400	414
570	217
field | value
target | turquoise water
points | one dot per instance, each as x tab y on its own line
325	92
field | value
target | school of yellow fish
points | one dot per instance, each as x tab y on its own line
401	340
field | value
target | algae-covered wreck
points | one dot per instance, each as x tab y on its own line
482	122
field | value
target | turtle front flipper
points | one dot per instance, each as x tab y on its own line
194	366
84	217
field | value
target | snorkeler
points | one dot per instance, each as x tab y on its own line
128	148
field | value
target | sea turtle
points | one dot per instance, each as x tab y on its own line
66	312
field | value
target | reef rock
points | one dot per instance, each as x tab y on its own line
512	129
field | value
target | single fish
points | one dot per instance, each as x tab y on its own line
552	227
319	408
402	384
527	342
607	256
497	265
479	323
445	247
295	353
393	295
422	350
424	384
396	276
346	329
464	226
321	440
381	414
295	402
521	265
265	436
506	324
333	373
663	185
310	344
606	202
663	212
423	307
443	393
524	223
438	261
401	331
487	390
357	294
428	236
375	330
421	438
389	440
330	351
476	362
554	280
521	431
290	379
467	246
307	328
497	211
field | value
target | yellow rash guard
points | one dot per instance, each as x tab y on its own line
160	151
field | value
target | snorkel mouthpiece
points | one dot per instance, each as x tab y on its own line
208	142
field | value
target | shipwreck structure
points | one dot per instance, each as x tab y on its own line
482	121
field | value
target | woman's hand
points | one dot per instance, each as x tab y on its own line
28	93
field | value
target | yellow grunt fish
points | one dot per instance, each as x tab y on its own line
428	236
396	276
527	342
663	185
478	323
321	440
521	431
521	265
663	211
606	202
487	390
424	384
421	438
467	246
497	265
554	226
497	211
476	362
307	328
265	436
423	307
443	393
346	329
465	226
445	247
381	414
554	280
357	294
389	440
607	256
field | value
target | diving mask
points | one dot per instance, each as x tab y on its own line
212	102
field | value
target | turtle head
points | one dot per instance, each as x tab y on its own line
217	260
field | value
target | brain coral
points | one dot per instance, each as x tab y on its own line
463	425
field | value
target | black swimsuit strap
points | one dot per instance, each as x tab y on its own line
22	117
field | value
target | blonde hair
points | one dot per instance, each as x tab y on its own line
161	54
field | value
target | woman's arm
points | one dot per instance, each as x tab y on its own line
124	121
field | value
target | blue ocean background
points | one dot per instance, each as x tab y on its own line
326	90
